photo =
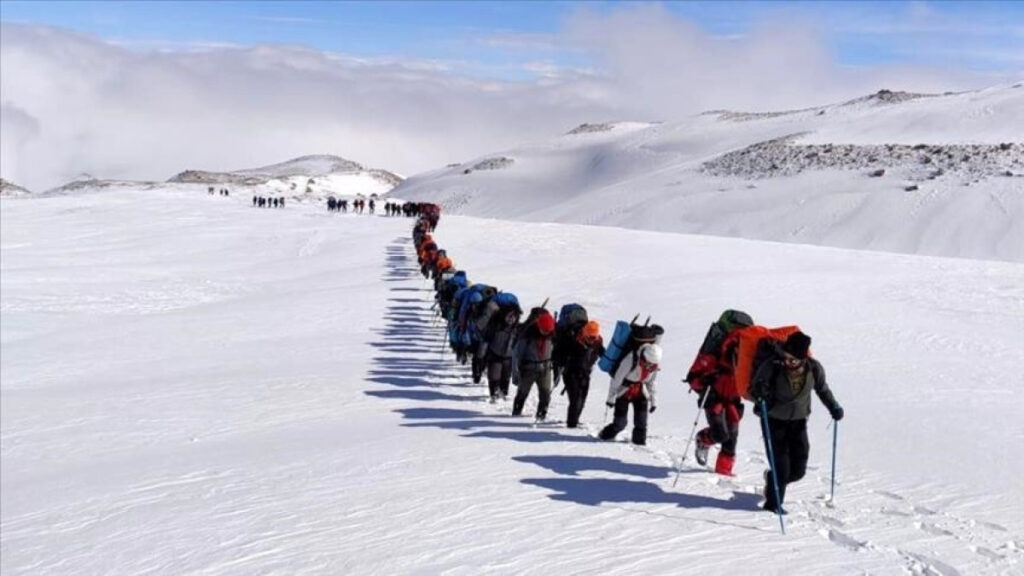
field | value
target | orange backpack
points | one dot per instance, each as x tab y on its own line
746	341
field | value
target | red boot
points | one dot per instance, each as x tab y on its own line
723	465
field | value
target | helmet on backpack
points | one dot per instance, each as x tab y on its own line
545	323
651	353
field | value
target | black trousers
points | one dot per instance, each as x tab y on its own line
621	419
499	372
790	448
577	386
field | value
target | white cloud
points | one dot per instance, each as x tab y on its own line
74	104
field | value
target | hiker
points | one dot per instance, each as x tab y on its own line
633	383
576	359
280	202
783	381
499	340
532	362
712	377
254	200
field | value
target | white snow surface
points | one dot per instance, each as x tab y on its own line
657	177
193	386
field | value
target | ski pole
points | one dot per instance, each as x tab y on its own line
766	430
693	431
835	438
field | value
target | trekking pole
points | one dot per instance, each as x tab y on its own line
835	438
766	430
693	431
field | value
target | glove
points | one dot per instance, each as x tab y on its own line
837	413
757	409
653	408
558	377
610	404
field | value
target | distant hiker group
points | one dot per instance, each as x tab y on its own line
334	205
262	202
220	192
738	360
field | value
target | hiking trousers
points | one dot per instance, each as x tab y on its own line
723	425
621	419
499	371
577	386
791	449
526	381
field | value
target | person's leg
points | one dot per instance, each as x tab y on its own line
506	376
640	420
619	421
573	392
780	451
494	378
543	393
526	380
799	449
727	456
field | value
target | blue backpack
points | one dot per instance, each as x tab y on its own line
616	348
506	301
627	338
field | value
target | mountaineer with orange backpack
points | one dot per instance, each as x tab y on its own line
712	377
781	385
575	356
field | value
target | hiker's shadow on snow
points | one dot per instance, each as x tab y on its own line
422	395
573	465
529	435
457	419
597	491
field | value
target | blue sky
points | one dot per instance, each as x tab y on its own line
499	38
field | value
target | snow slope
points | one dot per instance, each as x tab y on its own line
953	182
190	385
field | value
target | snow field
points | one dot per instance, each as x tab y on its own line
194	387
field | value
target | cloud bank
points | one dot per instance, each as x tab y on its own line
71	103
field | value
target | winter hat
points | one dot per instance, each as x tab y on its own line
591	331
651	352
797	345
545	324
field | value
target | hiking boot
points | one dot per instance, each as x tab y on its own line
700	452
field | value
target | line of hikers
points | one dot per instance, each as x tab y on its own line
738	359
220	192
263	202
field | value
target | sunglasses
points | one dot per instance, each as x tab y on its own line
792	360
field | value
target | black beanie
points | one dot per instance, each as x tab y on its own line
797	345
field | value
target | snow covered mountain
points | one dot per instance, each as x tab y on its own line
306	177
10	189
914	173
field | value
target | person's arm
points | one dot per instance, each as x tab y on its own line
824	392
650	389
619	378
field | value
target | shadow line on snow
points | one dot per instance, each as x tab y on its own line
597	491
573	465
